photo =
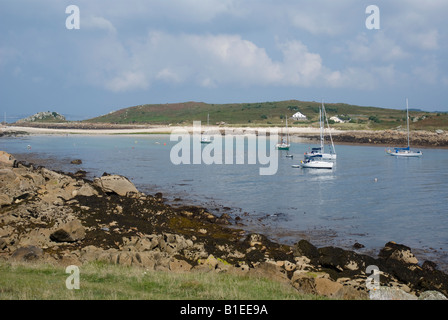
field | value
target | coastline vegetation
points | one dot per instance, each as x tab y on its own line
270	114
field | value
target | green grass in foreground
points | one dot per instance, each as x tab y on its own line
101	281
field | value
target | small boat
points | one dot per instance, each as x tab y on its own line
315	162
284	145
406	151
319	151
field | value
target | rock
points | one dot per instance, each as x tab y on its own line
432	295
343	260
70	232
115	184
76	161
86	190
327	287
388	293
3	244
304	248
5	200
177	265
397	252
304	282
7	160
28	253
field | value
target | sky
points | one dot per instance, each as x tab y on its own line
134	52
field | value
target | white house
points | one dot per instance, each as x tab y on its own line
298	116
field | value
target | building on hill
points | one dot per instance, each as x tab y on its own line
299	116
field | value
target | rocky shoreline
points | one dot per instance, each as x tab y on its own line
66	219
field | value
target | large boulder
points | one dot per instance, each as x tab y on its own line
27	253
6	159
70	232
115	184
398	252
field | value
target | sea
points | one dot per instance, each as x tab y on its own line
368	198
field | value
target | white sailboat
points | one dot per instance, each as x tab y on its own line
406	151
315	162
320	151
206	139
284	144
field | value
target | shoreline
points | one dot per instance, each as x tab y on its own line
67	219
385	138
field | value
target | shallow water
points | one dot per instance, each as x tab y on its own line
368	197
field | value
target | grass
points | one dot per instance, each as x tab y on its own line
273	114
102	281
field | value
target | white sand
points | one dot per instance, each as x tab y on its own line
157	129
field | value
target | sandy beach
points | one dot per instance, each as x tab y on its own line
390	138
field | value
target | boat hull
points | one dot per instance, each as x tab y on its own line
282	147
404	154
316	165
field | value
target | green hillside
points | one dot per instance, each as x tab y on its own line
269	114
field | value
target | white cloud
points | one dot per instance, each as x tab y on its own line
96	22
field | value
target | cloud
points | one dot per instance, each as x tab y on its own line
204	60
96	22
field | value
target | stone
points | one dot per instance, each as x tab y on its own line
327	287
70	232
397	252
389	293
7	160
177	265
432	295
305	248
76	161
27	253
86	190
5	200
115	184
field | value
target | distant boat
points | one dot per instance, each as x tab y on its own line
406	151
315	162
320	151
206	139
284	144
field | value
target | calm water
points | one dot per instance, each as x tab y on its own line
408	202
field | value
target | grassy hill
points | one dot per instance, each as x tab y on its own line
271	114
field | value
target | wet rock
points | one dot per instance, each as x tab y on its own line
343	260
305	248
398	252
76	161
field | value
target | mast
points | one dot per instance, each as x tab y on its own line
407	118
321	131
329	132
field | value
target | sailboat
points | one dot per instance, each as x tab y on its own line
404	152
315	162
206	139
284	145
320	151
